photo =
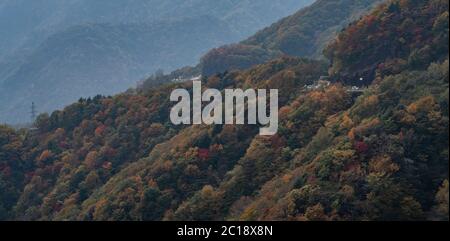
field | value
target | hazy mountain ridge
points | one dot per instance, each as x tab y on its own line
36	66
311	28
45	17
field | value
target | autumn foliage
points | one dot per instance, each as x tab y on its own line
378	155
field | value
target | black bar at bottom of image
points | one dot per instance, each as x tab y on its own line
225	230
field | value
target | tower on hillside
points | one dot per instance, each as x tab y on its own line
33	112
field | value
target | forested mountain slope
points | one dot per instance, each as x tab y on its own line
382	155
390	40
303	34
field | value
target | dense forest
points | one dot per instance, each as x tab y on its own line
338	155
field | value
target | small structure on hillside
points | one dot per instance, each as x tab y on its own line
196	78
323	82
355	88
324	77
180	79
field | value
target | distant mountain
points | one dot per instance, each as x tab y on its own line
303	34
25	22
87	60
54	52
